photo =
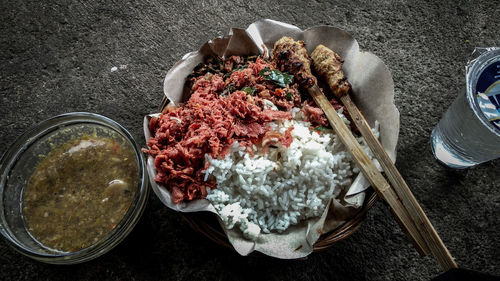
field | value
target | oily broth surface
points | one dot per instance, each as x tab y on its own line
79	192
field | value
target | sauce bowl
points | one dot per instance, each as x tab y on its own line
20	161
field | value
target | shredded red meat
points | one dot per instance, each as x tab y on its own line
208	124
315	115
219	112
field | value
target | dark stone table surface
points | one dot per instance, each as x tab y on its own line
56	57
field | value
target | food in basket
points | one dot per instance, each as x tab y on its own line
328	65
253	144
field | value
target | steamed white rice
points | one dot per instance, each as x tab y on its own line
271	191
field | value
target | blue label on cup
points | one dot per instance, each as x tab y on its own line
488	93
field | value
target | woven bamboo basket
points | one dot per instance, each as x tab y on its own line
207	224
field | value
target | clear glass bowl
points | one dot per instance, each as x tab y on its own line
18	163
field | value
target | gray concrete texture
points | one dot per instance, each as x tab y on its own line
56	57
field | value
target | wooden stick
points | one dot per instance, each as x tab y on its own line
328	64
292	56
423	224
368	168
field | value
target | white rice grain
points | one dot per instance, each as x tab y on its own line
271	191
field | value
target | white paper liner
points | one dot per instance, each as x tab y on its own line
373	93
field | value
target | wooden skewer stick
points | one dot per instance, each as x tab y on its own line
436	245
368	169
292	57
322	56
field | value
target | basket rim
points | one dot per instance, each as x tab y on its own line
197	221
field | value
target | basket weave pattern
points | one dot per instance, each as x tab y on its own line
207	224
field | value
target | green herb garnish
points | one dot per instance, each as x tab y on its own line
321	128
218	63
211	70
249	90
229	89
241	67
289	96
279	78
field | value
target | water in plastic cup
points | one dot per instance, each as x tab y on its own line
469	131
